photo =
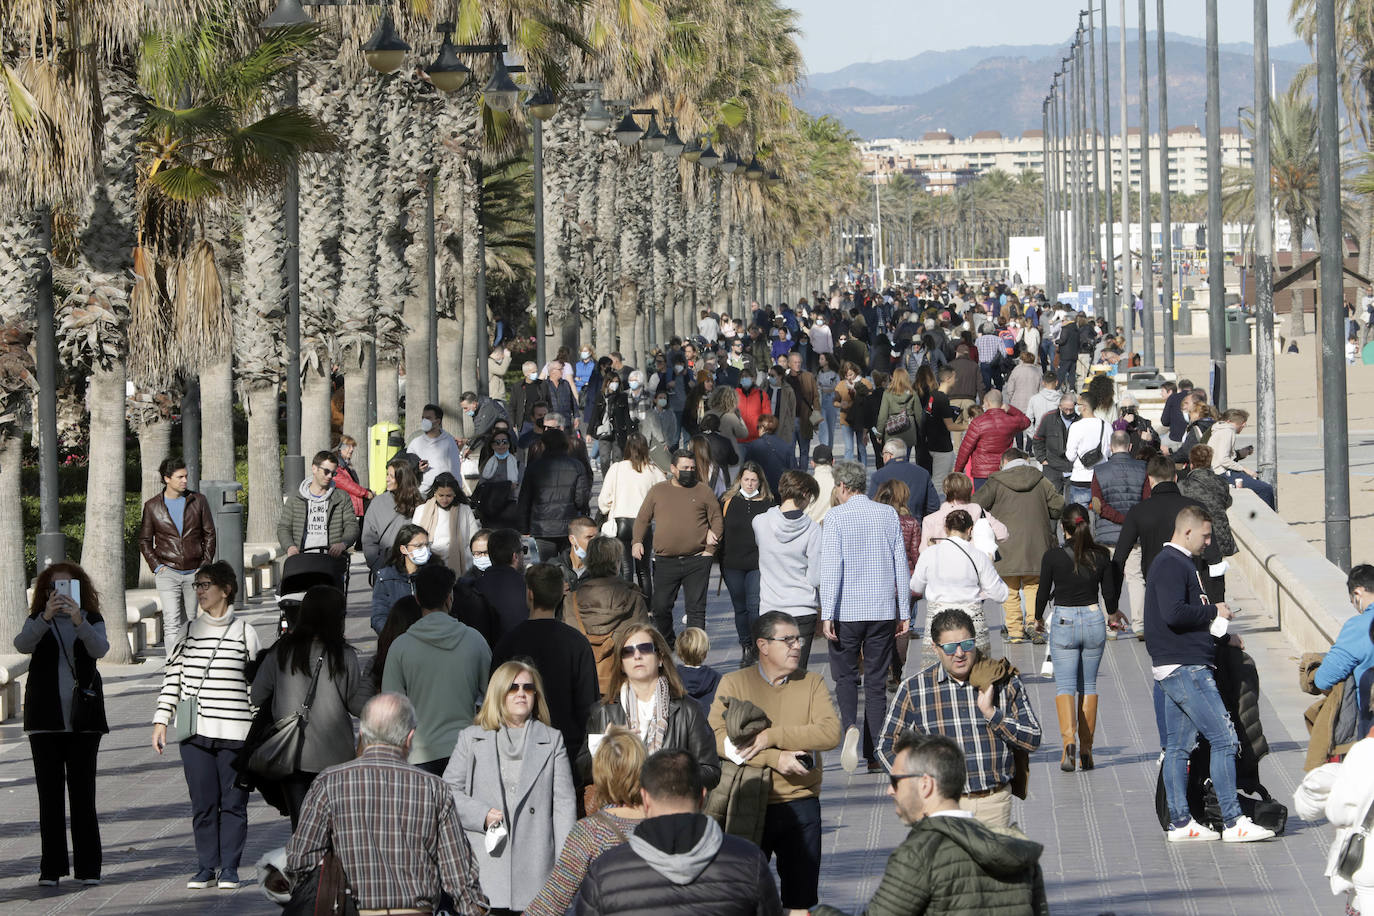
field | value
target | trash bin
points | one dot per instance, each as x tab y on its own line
1237	332
381	448
227	513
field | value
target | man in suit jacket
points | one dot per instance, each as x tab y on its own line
808	399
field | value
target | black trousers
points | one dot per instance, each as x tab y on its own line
294	788
863	648
65	762
639	572
792	832
691	575
807	627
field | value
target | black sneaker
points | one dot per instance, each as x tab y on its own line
201	879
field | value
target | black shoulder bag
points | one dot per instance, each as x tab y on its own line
279	753
88	700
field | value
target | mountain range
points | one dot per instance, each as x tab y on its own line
1002	87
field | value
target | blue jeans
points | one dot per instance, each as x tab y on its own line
1079	494
1077	636
743	585
855	445
1260	488
1192	705
803	445
830	420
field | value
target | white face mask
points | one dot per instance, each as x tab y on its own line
662	403
614	386
748	494
426	425
530	376
586	354
482	563
420	555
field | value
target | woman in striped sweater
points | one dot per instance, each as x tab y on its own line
212	664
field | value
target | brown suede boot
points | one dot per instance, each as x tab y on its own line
1087	725
1064	706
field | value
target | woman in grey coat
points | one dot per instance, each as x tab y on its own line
513	788
284	678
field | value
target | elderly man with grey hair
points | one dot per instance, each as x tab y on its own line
1050	443
865	605
393	826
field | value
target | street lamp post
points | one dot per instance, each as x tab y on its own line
1147	272
1216	282
1127	287
1110	232
1166	251
1265	397
1096	177
51	543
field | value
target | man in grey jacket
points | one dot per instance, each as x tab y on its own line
319	515
441	665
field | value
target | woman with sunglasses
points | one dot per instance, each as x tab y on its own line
211	664
65	634
512	787
645	694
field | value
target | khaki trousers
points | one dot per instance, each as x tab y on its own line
1135	589
1011	608
993	810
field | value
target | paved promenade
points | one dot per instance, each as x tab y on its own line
1104	852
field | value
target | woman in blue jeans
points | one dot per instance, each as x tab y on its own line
747	499
1071	578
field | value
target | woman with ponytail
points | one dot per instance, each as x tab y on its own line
1071	577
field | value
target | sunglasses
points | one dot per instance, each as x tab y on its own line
639	648
516	687
895	778
966	645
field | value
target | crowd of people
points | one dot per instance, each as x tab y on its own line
539	729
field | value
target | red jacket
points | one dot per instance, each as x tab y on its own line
752	405
988	436
346	480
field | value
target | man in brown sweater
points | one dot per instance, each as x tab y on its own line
687	527
804	722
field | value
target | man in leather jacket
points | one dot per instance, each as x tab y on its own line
176	537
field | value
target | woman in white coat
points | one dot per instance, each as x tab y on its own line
513	788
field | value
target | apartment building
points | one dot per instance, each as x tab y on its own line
943	162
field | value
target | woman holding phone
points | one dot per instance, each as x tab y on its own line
64	716
211	665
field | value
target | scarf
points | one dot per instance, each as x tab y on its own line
510	752
658	723
512	467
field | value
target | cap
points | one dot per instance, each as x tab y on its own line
822	454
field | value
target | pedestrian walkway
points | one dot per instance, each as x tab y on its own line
1104	852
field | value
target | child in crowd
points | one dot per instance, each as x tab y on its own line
699	678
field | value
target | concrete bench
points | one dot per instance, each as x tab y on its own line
144	615
1305	590
259	568
12	668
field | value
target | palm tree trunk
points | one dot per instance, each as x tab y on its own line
317	410
264	464
451	369
388	390
1296	325
355	403
217	452
154	444
13	608
102	551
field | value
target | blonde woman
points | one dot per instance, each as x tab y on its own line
509	776
899	399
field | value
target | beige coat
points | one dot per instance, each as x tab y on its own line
462	525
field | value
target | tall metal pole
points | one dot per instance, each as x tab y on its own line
1127	294
51	543
432	294
1079	147
1216	266
878	230
1095	175
293	471
1065	198
482	345
1266	400
1166	253
1336	453
1050	290
540	314
1052	184
1147	273
1110	227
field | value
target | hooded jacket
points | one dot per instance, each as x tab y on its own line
789	562
1043	402
1025	501
959	865
680	864
441	665
988	436
343	524
597	608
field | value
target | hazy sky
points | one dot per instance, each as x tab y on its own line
840	32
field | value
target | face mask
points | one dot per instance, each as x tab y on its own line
580	552
1068	415
746	383
426	425
586	354
420	555
614	386
470	413
748	494
482	563
662	403
687	478
775	382
634	384
530	376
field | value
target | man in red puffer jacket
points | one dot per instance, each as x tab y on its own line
988	436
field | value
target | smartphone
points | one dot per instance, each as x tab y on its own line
807	761
69	587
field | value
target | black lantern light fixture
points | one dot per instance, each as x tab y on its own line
672	144
753	171
692	151
542	105
597	117
287	14
501	92
729	162
653	138
627	131
709	158
448	73
385	52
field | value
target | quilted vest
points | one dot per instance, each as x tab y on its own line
1120	478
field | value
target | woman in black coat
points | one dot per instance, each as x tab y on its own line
645	694
64	716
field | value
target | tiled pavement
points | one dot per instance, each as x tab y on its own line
1103	849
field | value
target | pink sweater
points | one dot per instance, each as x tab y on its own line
933	525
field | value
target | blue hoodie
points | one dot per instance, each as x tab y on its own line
1352	653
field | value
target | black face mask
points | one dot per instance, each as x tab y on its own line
687	479
1067	416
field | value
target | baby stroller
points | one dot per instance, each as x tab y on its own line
301	572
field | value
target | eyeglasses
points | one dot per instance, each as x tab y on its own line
967	645
790	641
479	553
201	586
895	778
639	648
517	687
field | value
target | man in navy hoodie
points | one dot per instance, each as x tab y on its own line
1182	628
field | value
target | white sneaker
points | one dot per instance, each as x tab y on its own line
1245	830
849	756
1192	832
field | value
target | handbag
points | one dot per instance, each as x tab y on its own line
897	423
322	891
1093	456
278	755
88	701
188	707
1351	854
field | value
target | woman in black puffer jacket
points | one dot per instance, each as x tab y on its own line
1214	493
645	694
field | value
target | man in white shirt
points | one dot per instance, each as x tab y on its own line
436	448
708	327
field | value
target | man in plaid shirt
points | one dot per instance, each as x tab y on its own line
865	603
392	825
987	723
